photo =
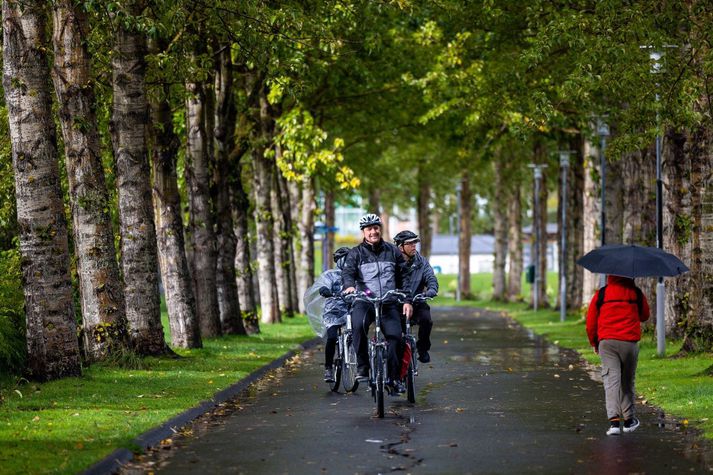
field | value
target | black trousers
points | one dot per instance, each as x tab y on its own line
330	347
363	316
422	317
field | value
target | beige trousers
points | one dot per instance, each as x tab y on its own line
619	359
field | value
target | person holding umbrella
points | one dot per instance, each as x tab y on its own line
614	329
614	320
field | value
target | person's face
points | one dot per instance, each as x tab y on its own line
409	249
372	234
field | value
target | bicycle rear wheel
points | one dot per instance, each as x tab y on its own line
379	371
349	366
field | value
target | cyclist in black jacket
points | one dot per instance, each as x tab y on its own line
376	266
423	281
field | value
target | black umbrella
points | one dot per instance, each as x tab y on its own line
630	260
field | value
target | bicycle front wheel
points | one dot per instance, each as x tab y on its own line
337	372
380	376
411	380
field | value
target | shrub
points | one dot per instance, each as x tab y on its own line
12	315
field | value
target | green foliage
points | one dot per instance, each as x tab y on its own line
12	315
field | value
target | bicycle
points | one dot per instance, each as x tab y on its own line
410	342
377	348
344	365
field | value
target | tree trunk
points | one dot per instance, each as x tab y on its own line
698	327
464	235
101	292
639	172
52	346
614	202
374	201
243	265
280	255
201	220
223	133
264	217
590	214
139	254
575	224
178	290
539	226
329	221
291	190
306	228
515	245
678	219
385	218
500	231
287	243
423	200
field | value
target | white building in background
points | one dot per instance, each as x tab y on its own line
444	248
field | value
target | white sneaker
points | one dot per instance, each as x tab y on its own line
614	428
630	425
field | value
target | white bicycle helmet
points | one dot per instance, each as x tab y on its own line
370	219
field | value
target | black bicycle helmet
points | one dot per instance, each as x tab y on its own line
340	253
370	219
405	237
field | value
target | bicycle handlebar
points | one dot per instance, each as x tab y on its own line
363	296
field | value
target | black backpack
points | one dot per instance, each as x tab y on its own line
639	299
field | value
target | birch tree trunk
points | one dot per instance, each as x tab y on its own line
243	265
100	287
590	214
639	172
280	255
176	278
423	200
291	190
287	235
464	235
264	217
223	133
201	220
575	225
306	228
540	226
329	221
499	210
515	245
614	202
679	215
52	346
139	254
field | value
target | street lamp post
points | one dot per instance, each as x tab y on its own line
656	67
564	165
458	240
603	132
537	169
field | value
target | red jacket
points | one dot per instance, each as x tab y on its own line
618	318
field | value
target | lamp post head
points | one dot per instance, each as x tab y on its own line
564	158
602	128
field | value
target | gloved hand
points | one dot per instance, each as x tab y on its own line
430	294
325	292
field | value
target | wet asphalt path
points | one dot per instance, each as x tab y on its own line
493	400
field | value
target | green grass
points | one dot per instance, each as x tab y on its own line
681	386
64	426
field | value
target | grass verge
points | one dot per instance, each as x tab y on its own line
65	426
678	385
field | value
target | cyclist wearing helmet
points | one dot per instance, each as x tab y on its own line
336	310
423	281
377	266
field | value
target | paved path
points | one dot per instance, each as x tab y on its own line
495	399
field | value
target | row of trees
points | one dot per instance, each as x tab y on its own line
198	137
